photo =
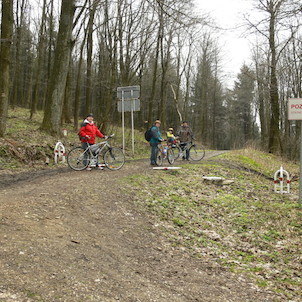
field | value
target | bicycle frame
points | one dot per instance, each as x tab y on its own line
164	152
80	158
196	152
94	154
185	147
161	149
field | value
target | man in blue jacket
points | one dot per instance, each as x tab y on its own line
154	141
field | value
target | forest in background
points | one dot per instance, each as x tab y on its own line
67	58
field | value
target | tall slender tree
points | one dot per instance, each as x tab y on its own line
241	109
5	47
89	90
58	77
39	62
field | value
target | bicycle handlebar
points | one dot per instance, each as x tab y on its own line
105	137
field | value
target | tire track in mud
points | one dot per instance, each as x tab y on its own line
11	178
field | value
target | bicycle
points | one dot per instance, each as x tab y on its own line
165	152
79	159
196	152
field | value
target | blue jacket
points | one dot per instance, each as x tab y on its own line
156	136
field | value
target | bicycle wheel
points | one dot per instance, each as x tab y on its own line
159	158
77	159
176	151
170	156
197	153
114	158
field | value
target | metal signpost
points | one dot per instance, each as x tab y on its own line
294	114
129	102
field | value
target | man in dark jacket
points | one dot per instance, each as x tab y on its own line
185	136
154	141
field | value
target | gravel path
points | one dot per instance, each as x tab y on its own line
74	236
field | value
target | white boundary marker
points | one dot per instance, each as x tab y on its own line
166	168
59	152
281	180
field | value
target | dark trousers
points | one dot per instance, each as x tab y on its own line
182	146
87	155
154	150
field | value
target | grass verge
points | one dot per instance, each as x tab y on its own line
244	225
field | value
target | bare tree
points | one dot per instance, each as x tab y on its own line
38	69
57	83
279	16
5	46
89	90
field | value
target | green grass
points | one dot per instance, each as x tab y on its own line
245	225
263	163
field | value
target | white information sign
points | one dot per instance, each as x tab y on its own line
129	101
295	109
128	92
129	105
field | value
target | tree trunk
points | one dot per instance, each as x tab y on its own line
274	135
153	87
16	97
76	111
165	61
261	103
39	63
66	113
88	106
56	88
6	40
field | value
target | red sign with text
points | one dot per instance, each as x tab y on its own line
295	109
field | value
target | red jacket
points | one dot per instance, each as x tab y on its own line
90	131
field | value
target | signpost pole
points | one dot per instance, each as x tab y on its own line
295	114
129	101
123	120
132	126
300	181
132	121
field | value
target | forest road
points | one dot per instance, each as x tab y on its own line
75	237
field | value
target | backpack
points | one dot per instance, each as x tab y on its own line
80	137
148	135
82	125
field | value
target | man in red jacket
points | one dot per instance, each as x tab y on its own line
88	132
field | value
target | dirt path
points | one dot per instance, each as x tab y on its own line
74	237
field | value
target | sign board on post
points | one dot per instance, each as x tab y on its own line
130	92
129	105
129	97
295	109
295	114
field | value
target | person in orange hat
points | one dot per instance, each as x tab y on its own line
154	141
